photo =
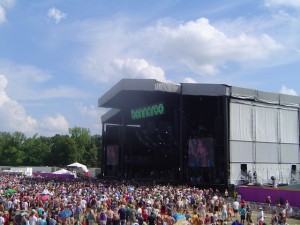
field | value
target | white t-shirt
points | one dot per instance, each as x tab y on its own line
25	205
2	220
8	204
83	203
235	205
260	216
33	220
224	209
139	211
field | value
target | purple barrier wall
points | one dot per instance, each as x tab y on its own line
63	176
259	194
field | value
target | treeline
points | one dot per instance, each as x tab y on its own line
60	150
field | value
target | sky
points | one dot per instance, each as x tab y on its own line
57	57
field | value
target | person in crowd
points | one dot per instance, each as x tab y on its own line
159	220
32	218
6	218
242	212
194	218
91	218
116	219
249	175
2	220
78	212
145	203
109	214
224	213
226	193
254	176
236	222
151	219
278	202
229	211
268	200
122	214
274	218
248	214
102	218
287	208
235	206
260	216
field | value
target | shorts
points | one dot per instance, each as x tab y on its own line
77	217
235	210
243	217
102	222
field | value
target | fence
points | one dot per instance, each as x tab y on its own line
292	212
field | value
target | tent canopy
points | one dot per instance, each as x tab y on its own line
78	165
63	171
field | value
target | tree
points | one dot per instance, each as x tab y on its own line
82	138
38	150
63	151
60	150
11	151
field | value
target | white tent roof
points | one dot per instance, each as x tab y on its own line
63	171
78	165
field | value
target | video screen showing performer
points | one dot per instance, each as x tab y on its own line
112	155
201	152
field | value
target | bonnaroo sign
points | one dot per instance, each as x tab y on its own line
148	111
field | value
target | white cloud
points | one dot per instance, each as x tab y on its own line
56	14
2	15
13	117
204	49
91	111
5	4
283	3
26	82
61	92
189	80
138	68
93	67
93	115
52	125
194	46
287	91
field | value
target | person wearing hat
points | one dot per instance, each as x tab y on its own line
260	216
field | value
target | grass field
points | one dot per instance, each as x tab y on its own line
290	221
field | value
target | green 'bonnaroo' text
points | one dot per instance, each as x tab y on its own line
148	111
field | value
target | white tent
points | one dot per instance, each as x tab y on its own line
78	165
63	171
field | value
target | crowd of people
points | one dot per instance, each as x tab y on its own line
48	201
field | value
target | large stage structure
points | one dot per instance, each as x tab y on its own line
198	133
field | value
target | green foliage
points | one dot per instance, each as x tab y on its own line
60	150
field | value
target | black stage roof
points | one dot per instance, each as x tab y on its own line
127	94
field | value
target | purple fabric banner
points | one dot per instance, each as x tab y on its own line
259	194
63	176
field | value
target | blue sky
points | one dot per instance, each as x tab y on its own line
57	57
